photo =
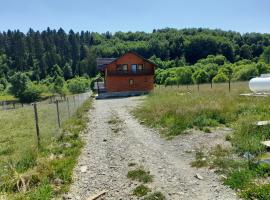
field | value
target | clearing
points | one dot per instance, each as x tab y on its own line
117	143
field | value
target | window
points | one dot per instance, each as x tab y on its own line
140	67
134	68
122	68
131	81
125	67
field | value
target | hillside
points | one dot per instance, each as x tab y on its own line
38	52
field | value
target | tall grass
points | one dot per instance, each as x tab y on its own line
175	109
29	173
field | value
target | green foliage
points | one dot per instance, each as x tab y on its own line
67	71
59	85
184	75
140	175
239	179
19	83
141	191
78	85
4	83
220	77
45	178
155	196
200	76
246	72
31	93
259	192
266	55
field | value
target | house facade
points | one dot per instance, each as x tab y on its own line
130	72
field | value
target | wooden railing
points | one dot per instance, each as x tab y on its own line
130	73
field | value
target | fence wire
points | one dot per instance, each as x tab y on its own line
18	132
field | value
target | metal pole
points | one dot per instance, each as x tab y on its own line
37	126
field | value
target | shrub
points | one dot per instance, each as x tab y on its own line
19	83
78	85
246	72
32	93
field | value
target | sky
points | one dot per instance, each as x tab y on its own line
137	15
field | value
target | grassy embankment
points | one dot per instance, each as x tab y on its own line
174	110
28	173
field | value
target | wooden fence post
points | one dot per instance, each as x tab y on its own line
68	107
37	126
74	101
58	115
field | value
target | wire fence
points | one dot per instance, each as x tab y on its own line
32	125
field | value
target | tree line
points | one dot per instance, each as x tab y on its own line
43	55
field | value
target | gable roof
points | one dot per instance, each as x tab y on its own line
102	63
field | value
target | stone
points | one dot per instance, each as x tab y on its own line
198	176
83	169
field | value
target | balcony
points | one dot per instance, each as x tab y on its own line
131	73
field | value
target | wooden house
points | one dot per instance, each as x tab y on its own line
130	73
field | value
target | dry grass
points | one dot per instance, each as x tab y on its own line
173	110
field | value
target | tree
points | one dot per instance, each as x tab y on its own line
220	78
56	71
184	75
67	70
246	52
266	55
200	76
19	83
59	84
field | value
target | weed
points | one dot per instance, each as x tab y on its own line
155	196
239	179
141	191
259	192
200	160
140	175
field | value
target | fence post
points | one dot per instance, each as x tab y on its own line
74	101
58	116
37	126
68	107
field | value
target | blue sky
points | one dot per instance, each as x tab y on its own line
137	15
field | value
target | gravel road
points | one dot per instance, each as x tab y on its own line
115	139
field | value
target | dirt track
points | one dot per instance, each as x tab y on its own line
114	139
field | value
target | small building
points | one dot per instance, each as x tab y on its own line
128	74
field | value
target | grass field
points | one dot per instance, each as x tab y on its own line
29	173
175	109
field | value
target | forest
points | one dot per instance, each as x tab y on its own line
184	56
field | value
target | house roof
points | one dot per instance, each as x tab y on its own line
102	63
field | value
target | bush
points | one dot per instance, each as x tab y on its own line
78	85
19	83
246	72
32	93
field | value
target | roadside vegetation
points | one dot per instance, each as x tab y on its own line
140	175
30	173
174	110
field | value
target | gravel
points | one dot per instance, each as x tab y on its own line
111	148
